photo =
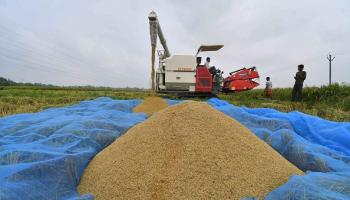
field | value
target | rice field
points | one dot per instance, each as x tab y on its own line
329	102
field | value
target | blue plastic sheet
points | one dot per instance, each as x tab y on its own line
315	186
43	155
317	146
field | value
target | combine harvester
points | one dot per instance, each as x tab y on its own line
184	75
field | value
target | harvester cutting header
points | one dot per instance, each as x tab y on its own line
184	75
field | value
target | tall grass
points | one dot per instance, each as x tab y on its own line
330	102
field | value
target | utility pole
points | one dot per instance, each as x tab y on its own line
330	59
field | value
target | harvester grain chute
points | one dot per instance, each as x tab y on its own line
184	75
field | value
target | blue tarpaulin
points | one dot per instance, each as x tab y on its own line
43	155
317	146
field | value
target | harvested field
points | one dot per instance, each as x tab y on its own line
151	105
186	151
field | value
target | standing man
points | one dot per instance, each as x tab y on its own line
207	63
268	88
300	76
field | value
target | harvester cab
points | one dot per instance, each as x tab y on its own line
185	75
214	73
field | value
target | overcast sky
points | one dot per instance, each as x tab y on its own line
107	43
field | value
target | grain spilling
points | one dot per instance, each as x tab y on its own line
187	151
151	105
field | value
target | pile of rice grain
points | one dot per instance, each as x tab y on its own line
151	105
187	151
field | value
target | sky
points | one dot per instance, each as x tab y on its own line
107	42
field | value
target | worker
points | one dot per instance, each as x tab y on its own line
207	63
300	77
268	88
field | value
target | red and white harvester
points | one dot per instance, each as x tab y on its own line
184	75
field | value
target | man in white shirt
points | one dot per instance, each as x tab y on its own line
268	88
207	63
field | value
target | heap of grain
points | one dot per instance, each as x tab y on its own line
187	151
151	105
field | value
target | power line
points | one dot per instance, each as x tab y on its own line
23	53
56	59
